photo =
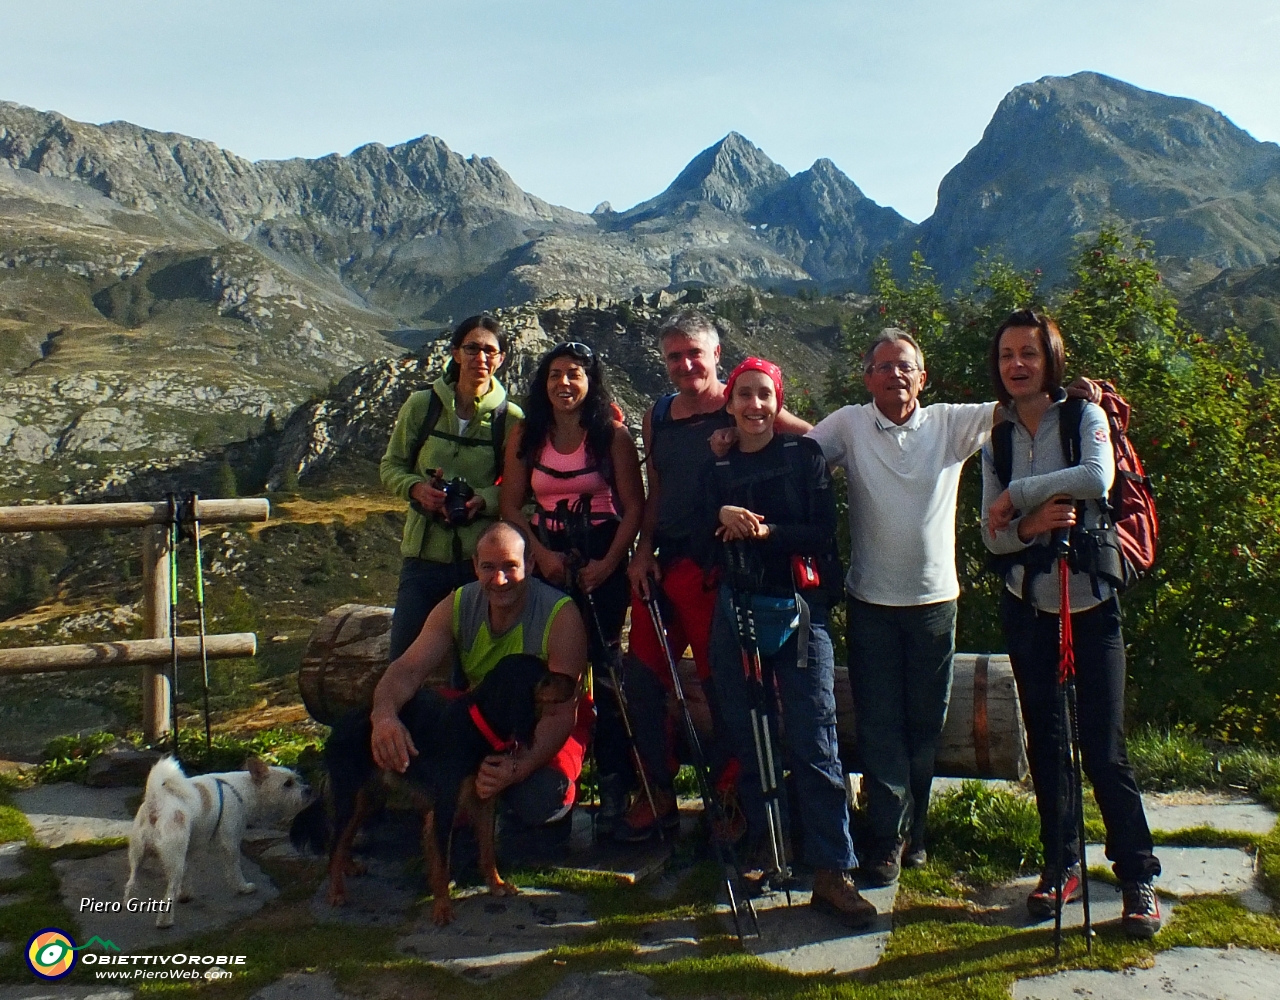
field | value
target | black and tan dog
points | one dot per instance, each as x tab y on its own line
453	736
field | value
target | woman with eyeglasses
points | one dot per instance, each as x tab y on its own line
445	459
1033	495
578	465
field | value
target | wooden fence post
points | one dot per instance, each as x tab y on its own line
155	620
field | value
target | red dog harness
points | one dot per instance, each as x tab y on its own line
499	746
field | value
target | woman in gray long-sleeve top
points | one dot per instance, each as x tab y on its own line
1037	493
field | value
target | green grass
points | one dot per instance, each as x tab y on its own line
1164	761
985	834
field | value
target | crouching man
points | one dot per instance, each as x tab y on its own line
504	611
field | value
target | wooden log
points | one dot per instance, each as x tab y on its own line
155	624
76	516
347	652
983	737
125	653
344	659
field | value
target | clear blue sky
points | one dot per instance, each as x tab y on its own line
590	100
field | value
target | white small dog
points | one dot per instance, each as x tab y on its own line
209	811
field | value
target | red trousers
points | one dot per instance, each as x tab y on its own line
687	612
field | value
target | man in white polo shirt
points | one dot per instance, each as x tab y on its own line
903	463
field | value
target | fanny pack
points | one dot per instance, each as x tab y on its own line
777	620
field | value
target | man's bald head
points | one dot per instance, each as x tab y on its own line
503	533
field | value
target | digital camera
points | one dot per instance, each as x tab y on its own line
456	494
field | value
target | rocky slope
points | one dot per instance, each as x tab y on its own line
1063	155
1245	298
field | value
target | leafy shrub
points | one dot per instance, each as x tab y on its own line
1204	627
66	758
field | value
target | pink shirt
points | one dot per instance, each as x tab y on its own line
585	477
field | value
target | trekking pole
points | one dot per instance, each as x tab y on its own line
1067	683
194	518
615	678
760	728
577	526
174	519
725	856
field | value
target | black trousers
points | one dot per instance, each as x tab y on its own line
608	605
1032	639
423	585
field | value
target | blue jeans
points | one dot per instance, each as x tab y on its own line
810	747
423	585
900	671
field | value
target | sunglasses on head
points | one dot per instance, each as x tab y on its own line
575	347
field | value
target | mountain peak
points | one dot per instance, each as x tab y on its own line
1064	154
734	176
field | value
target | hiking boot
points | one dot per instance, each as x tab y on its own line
613	804
835	895
1141	917
640	823
915	856
884	866
1042	903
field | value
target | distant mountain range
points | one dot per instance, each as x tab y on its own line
158	292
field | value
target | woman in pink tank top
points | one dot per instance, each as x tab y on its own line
578	465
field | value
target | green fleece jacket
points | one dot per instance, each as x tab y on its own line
431	538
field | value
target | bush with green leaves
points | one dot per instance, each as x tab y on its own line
1203	629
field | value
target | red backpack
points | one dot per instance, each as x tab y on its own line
1132	502
1126	550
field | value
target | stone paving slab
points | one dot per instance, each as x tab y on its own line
301	986
381	897
1178	974
668	941
602	986
629	862
492	936
67	813
800	939
214	904
1195	871
11	865
1184	810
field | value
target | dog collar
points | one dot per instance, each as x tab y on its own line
499	745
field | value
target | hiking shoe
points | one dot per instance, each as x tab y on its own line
835	895
915	856
1042	903
1141	918
884	866
640	823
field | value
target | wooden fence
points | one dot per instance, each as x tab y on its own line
156	651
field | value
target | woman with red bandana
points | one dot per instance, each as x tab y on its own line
770	521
